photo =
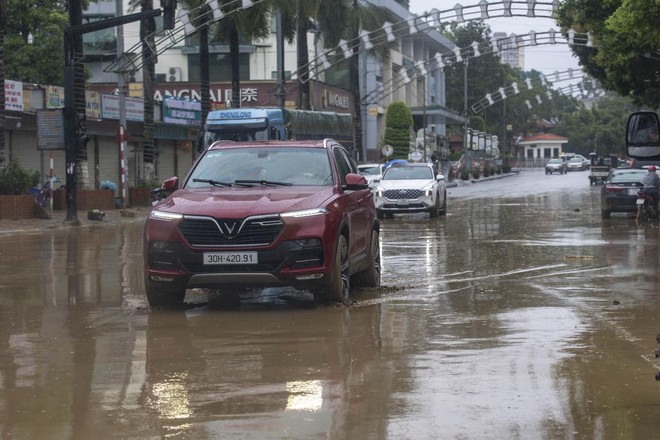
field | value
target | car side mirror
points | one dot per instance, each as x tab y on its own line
171	184
356	181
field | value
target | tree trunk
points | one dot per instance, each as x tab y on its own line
204	71
3	27
302	26
235	65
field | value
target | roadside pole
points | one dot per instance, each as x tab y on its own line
121	86
74	124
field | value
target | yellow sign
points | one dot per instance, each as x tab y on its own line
135	90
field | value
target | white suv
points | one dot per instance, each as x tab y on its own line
410	187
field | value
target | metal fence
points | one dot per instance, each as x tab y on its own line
520	163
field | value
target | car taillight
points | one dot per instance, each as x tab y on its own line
613	189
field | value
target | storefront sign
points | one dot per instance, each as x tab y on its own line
110	108
182	112
13	95
54	97
93	105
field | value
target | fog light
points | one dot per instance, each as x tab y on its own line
159	245
309	242
311	276
161	279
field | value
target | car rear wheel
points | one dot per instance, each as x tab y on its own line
339	287
370	277
159	297
605	213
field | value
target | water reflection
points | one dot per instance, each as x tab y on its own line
71	266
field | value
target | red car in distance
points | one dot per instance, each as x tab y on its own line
261	214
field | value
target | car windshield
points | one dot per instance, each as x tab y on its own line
408	173
625	176
369	170
262	165
554	161
576	160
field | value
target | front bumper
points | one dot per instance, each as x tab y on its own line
288	264
419	204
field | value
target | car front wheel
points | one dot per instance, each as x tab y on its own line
443	209
338	288
434	212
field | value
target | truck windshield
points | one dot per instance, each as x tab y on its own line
233	134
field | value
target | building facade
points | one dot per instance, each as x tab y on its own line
407	76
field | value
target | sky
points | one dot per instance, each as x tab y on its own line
546	59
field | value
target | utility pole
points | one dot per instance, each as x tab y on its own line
123	134
75	132
72	56
465	108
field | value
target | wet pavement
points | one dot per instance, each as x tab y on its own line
521	314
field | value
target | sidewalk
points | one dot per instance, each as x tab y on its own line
459	182
112	217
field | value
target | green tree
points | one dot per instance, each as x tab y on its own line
486	74
398	126
599	129
34	41
250	24
626	55
343	19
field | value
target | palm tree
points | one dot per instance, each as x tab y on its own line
147	36
250	23
3	27
200	19
352	17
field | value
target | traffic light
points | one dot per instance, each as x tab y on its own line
169	9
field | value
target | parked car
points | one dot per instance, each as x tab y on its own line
412	187
272	213
555	165
371	171
576	164
619	190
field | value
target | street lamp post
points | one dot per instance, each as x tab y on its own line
465	127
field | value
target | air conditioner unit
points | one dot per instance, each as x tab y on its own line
174	74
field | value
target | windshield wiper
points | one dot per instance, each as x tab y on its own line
261	182
212	182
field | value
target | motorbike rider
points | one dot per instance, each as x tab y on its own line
651	182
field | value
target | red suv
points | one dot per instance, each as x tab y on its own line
258	214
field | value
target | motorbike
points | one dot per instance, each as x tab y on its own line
43	194
645	209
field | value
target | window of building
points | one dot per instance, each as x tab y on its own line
219	66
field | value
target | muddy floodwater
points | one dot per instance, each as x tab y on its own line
520	315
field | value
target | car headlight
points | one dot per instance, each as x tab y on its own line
167	216
428	190
379	191
304	213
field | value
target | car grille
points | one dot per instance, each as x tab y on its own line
210	232
403	193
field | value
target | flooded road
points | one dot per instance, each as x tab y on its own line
521	314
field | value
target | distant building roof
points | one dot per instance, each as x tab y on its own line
547	138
